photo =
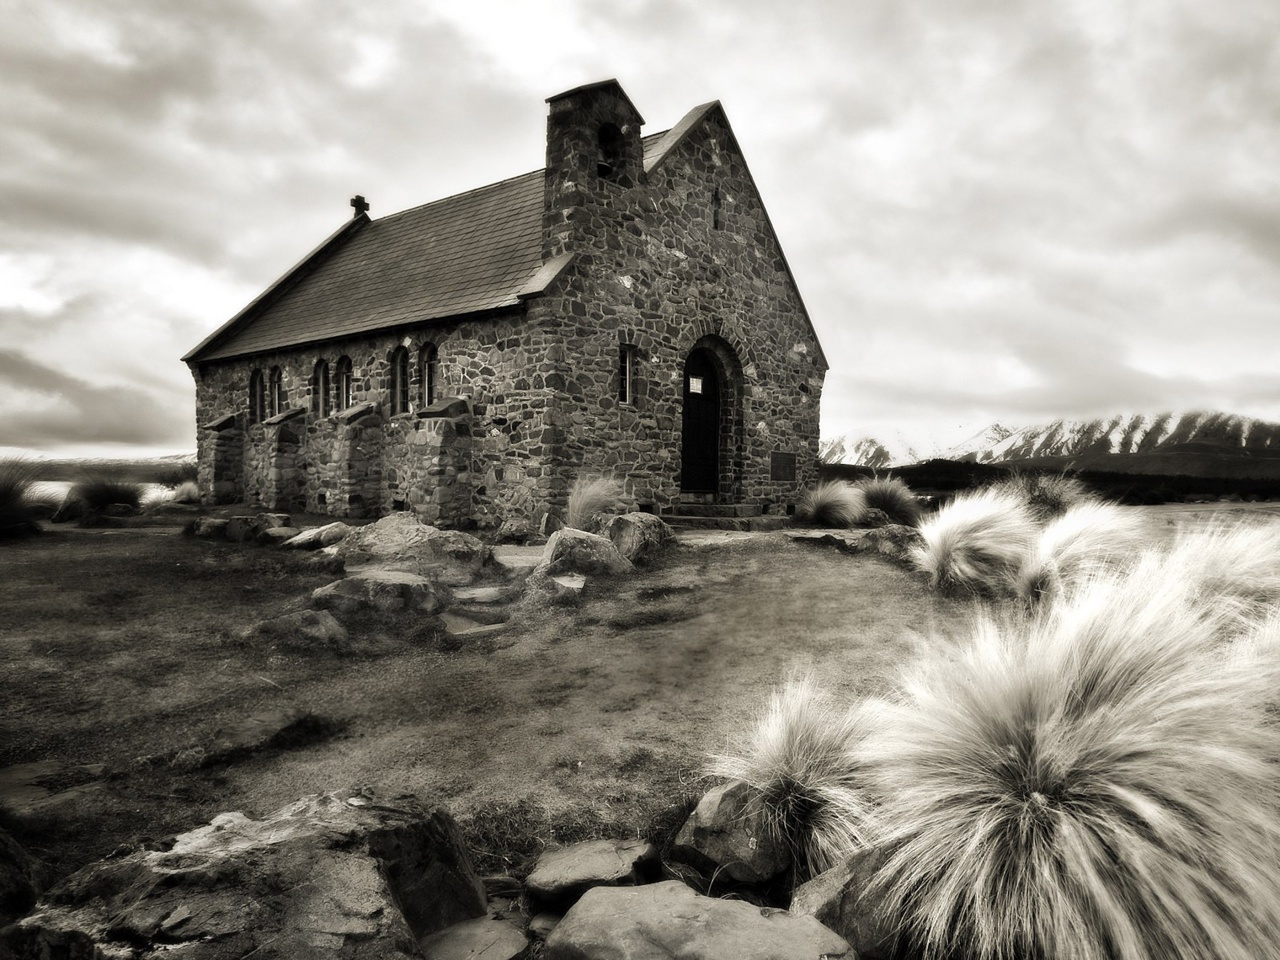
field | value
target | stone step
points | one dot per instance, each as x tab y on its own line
716	510
752	524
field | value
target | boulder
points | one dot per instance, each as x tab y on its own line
562	875
575	551
308	630
894	541
242	529
665	920
841	898
337	875
401	542
389	591
275	536
313	538
639	537
874	517
543	587
22	878
210	528
490	938
727	832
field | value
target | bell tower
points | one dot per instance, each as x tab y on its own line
594	158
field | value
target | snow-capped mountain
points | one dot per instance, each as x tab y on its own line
1123	433
865	451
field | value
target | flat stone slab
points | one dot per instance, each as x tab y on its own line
517	562
565	873
665	920
386	590
498	594
461	627
484	938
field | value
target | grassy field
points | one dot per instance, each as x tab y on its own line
592	721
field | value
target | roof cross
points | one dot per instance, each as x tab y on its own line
359	204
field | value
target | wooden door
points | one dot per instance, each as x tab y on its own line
700	444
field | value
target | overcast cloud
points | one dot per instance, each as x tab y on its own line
994	210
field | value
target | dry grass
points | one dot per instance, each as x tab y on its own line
802	757
1096	783
591	497
832	503
977	543
100	491
1085	540
893	497
1046	495
16	478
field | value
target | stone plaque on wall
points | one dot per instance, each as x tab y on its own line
782	466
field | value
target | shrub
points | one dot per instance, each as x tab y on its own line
591	497
802	757
977	542
186	492
16	513
832	503
1047	495
893	497
1085	540
98	492
1097	783
175	475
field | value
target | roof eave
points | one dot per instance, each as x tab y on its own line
283	283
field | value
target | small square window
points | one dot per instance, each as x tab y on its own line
695	384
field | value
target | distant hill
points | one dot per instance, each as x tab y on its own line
137	470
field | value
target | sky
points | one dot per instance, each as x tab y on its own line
995	210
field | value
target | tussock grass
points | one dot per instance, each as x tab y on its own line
977	543
802	755
1236	565
98	492
1047	495
893	497
832	503
186	492
16	507
1085	540
590	497
1097	783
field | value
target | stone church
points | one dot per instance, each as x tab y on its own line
625	312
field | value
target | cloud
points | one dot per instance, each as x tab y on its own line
47	408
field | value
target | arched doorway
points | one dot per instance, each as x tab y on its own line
701	437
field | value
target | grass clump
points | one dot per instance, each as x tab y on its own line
832	503
977	543
802	756
16	508
893	497
98	492
1097	782
590	497
1085	540
1046	495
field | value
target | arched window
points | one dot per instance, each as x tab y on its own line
609	161
275	393
399	381
428	374
257	397
628	370
344	396
321	399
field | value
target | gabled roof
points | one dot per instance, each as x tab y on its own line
475	251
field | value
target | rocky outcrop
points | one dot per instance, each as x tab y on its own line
401	542
388	591
574	551
337	875
727	834
639	537
668	919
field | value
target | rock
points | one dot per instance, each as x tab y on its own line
241	529
275	536
515	530
401	542
840	899
874	517
337	875
516	563
385	590
486	595
894	541
210	528
22	878
119	510
73	507
542	924
573	551
562	875
727	831
543	587
459	627
490	938
308	630
665	920
313	538
639	537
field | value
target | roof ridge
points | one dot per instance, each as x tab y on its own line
456	196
